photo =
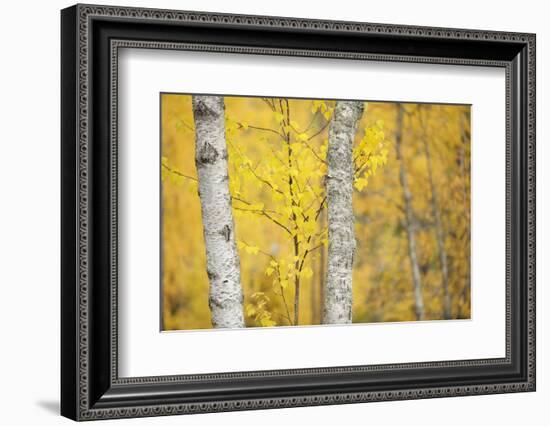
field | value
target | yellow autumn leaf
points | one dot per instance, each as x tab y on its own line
250	310
252	249
297	210
315	106
360	183
257	206
267	322
302	137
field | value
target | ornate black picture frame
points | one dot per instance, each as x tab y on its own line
91	387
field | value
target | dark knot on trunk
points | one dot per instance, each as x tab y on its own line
206	107
207	154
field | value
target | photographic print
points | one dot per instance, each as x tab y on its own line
267	209
289	212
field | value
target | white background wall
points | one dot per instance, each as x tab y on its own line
29	212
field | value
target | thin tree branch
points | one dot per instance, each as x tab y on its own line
327	122
311	121
263	180
262	213
270	104
277	157
176	172
314	153
182	121
283	293
265	129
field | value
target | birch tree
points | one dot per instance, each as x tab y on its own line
223	264
341	234
465	173
410	224
436	213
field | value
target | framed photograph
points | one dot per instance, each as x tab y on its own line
263	212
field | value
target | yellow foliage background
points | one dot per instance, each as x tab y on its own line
382	284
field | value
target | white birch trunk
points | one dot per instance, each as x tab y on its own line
439	231
439	234
409	219
465	140
341	233
222	259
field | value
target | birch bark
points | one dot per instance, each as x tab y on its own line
409	218
341	233
222	259
465	140
439	233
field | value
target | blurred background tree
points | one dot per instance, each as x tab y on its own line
277	166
